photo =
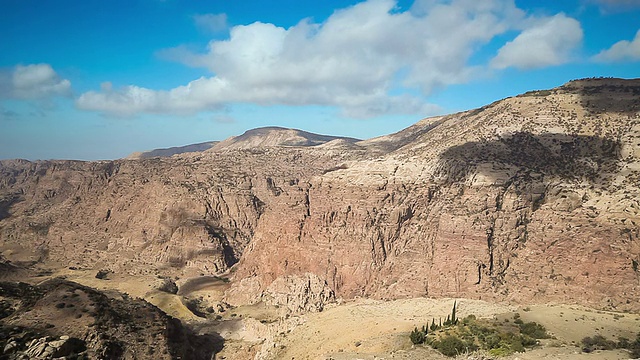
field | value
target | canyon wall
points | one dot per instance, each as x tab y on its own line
530	199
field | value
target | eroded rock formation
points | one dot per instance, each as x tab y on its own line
532	199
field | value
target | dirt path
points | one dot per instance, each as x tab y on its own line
202	283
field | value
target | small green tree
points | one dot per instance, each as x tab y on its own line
433	326
454	320
417	336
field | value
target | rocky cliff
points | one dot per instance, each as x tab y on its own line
530	199
60	319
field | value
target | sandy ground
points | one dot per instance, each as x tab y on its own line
379	330
139	287
367	327
362	328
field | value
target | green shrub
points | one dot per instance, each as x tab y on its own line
623	343
451	345
528	340
515	344
501	351
597	342
494	336
534	330
491	341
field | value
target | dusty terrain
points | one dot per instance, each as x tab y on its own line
360	328
373	329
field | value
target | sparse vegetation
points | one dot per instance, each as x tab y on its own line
537	93
599	342
533	330
451	345
418	336
499	338
102	274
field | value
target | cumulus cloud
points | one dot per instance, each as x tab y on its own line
35	81
211	22
621	51
366	59
547	42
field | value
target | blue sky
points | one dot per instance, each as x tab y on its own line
100	79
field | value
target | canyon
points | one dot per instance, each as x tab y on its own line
533	199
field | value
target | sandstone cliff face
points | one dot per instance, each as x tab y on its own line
532	198
184	215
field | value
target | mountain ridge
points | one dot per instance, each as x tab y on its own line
454	206
268	136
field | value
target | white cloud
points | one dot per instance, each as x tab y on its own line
547	42
37	81
621	51
211	22
359	59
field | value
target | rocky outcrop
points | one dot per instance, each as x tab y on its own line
63	347
299	294
529	199
62	319
292	294
166	285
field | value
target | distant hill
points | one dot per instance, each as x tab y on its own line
172	150
277	136
255	138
